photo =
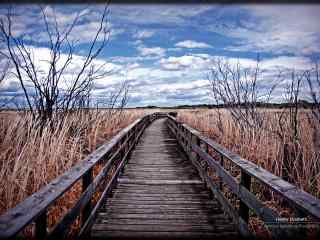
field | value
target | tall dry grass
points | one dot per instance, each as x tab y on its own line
29	159
263	146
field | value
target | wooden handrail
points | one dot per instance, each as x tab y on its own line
34	208
190	140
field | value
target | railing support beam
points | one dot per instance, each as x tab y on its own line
243	209
41	226
86	181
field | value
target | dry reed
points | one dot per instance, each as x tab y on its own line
266	149
30	160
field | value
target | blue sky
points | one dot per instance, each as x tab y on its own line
164	52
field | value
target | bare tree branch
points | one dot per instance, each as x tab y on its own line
46	94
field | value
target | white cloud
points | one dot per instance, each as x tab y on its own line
164	14
285	62
29	22
153	51
42	56
186	62
277	29
142	34
192	44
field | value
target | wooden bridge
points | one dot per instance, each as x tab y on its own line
159	179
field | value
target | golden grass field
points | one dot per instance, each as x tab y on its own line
266	149
29	160
262	146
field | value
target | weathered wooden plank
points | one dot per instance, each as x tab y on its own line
157	182
162	235
162	185
168	176
164	207
164	190
166	169
172	222
163	196
159	200
164	178
167	189
168	217
154	173
164	202
302	200
165	211
164	228
159	163
184	188
124	194
161	173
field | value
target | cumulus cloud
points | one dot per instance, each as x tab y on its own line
152	51
155	14
286	62
142	34
41	58
28	22
270	30
183	62
192	44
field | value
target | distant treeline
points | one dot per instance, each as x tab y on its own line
301	104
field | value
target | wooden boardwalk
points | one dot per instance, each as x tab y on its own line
155	179
160	195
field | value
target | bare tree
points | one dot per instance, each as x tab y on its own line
293	90
115	101
46	94
292	151
237	88
4	70
313	79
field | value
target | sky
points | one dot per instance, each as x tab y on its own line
164	52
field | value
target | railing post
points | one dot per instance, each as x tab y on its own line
189	146
184	136
222	165
194	156
245	181
124	150
179	133
86	181
41	226
203	163
135	134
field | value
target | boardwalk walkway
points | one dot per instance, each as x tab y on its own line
160	195
156	190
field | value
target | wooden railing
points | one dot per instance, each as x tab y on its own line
201	150
111	157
